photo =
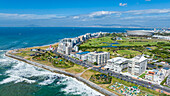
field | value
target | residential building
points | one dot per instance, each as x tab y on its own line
82	38
68	41
68	50
65	46
82	55
157	76
161	37
73	54
137	65
98	57
150	76
117	64
87	36
76	48
118	38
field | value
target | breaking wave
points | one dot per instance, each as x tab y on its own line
19	71
76	87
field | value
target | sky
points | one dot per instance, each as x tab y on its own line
85	13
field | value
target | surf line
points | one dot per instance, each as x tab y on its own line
56	70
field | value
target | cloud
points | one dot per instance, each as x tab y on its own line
122	4
29	16
101	14
96	15
93	15
147	0
131	17
149	11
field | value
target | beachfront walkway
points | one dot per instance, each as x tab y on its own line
79	74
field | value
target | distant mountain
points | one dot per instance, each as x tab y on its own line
118	25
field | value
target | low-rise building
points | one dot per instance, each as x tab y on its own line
137	65
150	76
161	37
157	76
98	57
118	38
117	64
82	55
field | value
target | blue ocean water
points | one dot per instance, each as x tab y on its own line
21	79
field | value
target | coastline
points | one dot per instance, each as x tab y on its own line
56	70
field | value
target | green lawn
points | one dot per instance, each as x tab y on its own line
97	42
166	47
141	76
101	79
25	53
128	52
76	69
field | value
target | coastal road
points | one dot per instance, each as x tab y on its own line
116	75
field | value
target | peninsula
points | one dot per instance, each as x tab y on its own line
112	63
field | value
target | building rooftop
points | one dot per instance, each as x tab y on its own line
85	52
140	31
97	53
139	58
118	60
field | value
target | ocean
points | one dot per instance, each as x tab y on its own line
21	79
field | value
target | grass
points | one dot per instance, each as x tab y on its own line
162	83
166	47
75	69
128	52
101	79
87	74
125	71
141	76
128	43
44	58
97	42
44	62
25	53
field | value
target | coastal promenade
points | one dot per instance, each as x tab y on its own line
92	85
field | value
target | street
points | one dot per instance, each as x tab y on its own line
116	75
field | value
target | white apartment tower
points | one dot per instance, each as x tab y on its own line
65	46
137	65
117	64
98	57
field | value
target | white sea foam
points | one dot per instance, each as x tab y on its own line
5	61
22	72
1	50
76	87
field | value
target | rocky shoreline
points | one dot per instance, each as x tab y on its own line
56	70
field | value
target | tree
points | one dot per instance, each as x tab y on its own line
160	66
95	63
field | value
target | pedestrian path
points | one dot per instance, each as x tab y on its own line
79	74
